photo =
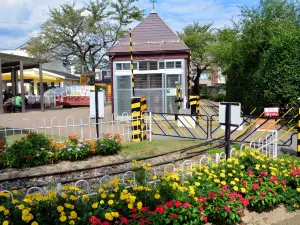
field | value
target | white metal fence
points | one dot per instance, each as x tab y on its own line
60	129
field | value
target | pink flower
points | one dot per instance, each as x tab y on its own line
201	208
255	186
269	189
283	182
245	183
105	223
124	220
252	196
145	209
222	194
263	193
169	204
227	208
202	199
245	202
205	219
273	179
261	197
186	205
217	208
264	173
250	172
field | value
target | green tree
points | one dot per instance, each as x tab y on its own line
199	38
83	35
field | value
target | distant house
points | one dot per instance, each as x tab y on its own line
103	79
210	77
160	61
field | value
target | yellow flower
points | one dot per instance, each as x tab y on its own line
25	212
222	175
139	205
100	190
101	202
64	195
149	164
223	182
235	188
2	208
217	181
232	182
103	195
5	222
130	206
60	208
156	196
6	212
63	218
298	189
264	166
95	205
21	207
72	222
230	174
197	184
115	214
73	215
243	190
73	198
154	177
237	179
108	216
34	223
112	196
110	202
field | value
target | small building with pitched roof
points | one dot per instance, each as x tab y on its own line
160	61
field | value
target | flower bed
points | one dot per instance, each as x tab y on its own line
216	193
36	149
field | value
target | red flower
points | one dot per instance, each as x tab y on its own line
260	179
124	220
264	173
201	208
205	219
224	187
160	209
24	156
245	183
263	193
261	197
133	210
283	182
245	202
105	223
169	204
222	194
275	194
255	186
227	208
147	220
133	216
186	205
252	196
202	199
217	208
273	179
292	167
173	217
94	220
294	173
211	194
250	172
178	203
145	209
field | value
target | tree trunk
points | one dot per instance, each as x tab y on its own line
196	90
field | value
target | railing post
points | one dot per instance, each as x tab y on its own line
81	129
150	126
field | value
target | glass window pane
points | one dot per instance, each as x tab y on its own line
170	65
178	65
119	66
143	65
140	81
155	81
153	65
161	65
135	66
126	66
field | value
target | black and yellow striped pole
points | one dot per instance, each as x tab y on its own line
195	107
178	95
143	125
136	119
198	110
131	61
298	146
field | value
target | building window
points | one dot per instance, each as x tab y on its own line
135	67
119	66
170	65
143	65
204	76
178	65
126	66
161	65
153	65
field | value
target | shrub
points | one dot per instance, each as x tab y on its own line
33	150
109	145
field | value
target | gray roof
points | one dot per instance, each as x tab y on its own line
151	35
67	76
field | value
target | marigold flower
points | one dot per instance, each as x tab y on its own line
108	216
139	205
110	202
63	218
130	206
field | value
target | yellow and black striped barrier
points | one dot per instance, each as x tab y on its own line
195	107
298	147
138	107
131	61
178	97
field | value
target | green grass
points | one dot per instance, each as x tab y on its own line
147	148
215	151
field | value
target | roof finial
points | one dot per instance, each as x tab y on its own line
153	2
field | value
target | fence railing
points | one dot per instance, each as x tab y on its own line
60	129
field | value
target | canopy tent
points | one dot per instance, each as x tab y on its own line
10	63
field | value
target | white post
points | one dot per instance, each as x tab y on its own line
150	126
22	86
81	129
275	154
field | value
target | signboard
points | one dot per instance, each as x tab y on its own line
171	91
236	118
100	104
82	79
274	111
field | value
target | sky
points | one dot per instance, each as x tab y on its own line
21	19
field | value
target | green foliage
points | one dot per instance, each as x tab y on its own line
108	145
215	151
260	54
